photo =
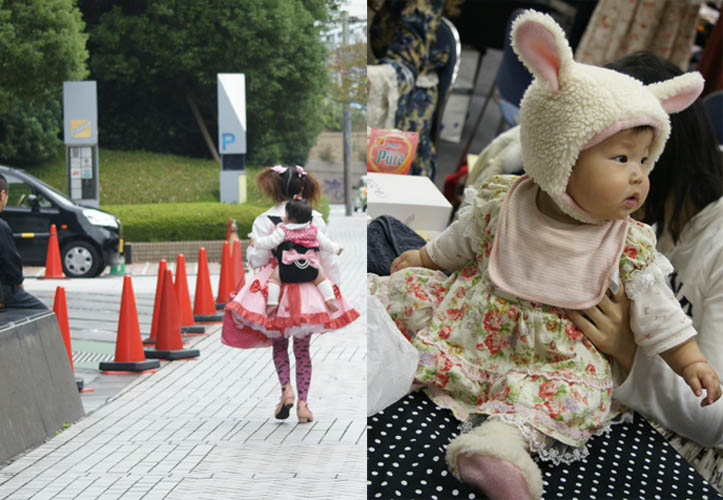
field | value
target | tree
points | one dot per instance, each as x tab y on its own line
150	62
349	74
42	44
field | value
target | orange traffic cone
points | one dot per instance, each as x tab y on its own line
225	282
53	268
162	265
228	228
129	356
169	343
60	308
204	308
237	266
184	299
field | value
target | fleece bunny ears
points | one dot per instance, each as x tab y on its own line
570	106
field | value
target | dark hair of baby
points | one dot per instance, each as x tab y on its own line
690	170
298	211
282	187
4	184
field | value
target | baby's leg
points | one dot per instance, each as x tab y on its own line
274	290
494	459
327	291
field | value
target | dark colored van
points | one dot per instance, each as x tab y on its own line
89	239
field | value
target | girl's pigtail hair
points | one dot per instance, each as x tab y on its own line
311	189
270	184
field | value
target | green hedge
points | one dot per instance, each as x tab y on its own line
182	221
186	221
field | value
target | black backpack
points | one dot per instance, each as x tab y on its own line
290	273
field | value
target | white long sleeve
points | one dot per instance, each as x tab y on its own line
271	241
457	244
329	260
326	244
656	318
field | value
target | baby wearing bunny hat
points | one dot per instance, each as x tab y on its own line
494	337
575	120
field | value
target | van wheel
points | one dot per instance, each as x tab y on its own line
80	260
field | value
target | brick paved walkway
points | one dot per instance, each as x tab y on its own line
204	429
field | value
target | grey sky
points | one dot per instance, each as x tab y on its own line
356	8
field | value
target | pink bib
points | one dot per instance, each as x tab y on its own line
542	260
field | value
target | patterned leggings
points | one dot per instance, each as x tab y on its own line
303	363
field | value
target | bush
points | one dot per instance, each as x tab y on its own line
182	221
29	132
186	221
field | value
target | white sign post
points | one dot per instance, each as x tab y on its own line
232	136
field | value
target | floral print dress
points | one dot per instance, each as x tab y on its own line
482	353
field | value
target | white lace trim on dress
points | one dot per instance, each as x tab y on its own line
546	448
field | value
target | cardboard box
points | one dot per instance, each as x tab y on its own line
413	199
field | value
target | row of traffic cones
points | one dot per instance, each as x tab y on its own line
232	273
172	313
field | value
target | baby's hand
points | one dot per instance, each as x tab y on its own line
700	375
410	258
251	243
338	252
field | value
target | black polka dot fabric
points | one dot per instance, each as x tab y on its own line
406	447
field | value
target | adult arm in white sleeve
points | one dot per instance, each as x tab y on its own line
258	257
654	390
270	241
708	316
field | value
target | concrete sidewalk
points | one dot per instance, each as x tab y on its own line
204	429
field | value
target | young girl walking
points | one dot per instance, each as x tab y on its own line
494	337
295	243
301	310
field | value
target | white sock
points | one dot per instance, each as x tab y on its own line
326	290
273	296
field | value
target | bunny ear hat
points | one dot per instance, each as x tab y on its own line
570	106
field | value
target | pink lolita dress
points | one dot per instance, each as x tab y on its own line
301	311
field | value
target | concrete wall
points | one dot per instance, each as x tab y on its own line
169	250
331	177
37	387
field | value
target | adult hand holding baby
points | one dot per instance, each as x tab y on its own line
607	325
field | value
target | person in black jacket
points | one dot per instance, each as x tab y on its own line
12	294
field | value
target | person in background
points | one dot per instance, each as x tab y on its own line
686	205
12	294
402	71
302	311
